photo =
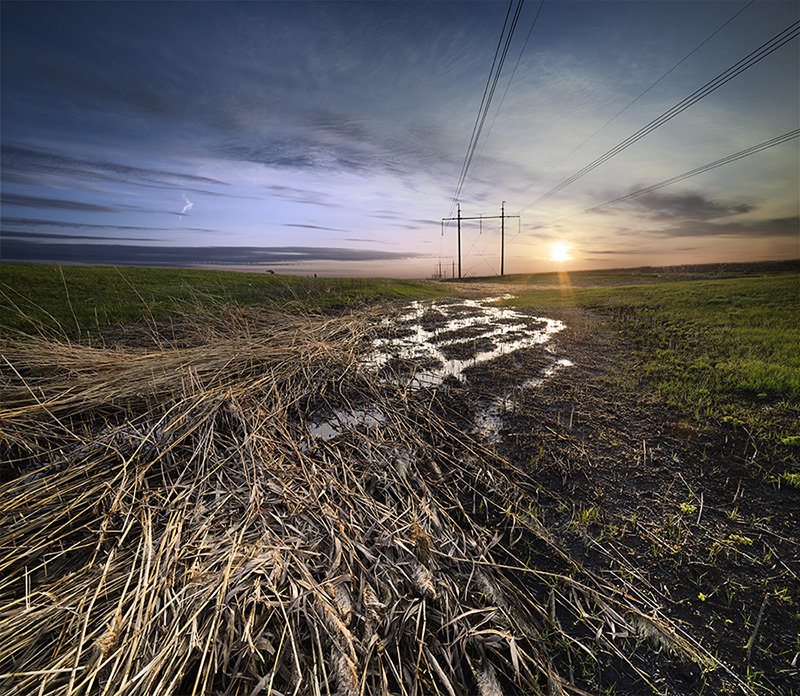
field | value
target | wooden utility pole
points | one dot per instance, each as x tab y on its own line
459	241
502	217
502	236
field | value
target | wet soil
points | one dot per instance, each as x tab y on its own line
682	502
688	511
641	493
467	350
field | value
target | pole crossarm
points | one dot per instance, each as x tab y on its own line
502	217
482	217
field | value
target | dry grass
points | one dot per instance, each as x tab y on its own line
177	530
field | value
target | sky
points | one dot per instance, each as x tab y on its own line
329	138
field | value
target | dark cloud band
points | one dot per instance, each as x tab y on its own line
145	255
42	203
9	224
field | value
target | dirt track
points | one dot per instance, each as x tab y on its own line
638	490
638	547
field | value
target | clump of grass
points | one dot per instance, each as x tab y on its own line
175	528
792	479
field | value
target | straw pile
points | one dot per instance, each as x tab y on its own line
176	529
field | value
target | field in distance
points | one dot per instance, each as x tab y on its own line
86	298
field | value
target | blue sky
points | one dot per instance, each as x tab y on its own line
328	137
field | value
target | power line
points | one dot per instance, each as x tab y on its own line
502	217
791	32
465	165
488	94
483	109
700	170
631	103
514	72
482	254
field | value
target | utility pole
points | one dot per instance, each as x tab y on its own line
502	217
459	241
502	236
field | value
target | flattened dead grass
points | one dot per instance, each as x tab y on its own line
176	529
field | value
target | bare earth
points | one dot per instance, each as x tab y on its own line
639	491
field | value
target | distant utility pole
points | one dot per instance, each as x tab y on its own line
502	218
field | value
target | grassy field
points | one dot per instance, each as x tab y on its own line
171	524
79	299
644	275
718	346
724	349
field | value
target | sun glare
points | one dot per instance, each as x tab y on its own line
559	251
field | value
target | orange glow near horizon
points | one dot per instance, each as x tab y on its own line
567	295
560	251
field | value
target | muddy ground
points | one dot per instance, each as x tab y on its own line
686	517
688	512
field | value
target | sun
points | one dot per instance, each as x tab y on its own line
559	251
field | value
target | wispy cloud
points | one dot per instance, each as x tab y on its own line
24	161
314	227
693	206
756	229
339	124
13	222
19	234
304	196
42	203
188	205
608	252
370	240
63	204
298	151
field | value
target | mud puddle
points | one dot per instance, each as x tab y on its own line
440	340
331	425
457	342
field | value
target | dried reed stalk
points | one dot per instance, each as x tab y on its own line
177	530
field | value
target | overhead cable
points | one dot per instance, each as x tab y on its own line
631	103
699	170
737	68
514	72
483	101
488	93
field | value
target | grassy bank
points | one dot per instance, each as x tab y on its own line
723	349
79	299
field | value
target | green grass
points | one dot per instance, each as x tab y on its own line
611	278
723	348
69	299
727	349
644	275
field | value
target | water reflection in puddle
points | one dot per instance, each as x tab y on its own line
432	342
468	328
549	371
489	412
341	420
